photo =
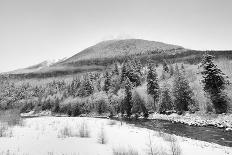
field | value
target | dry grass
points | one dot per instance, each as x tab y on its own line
65	132
83	131
5	131
153	149
123	151
8	119
112	123
102	136
11	117
174	146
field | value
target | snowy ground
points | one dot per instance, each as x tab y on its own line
61	135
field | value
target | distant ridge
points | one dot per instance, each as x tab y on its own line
103	54
114	48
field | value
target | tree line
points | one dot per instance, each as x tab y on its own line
115	91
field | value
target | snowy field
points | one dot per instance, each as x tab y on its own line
93	136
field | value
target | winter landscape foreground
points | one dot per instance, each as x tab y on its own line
94	136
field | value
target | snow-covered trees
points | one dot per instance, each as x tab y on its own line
86	87
165	102
165	66
132	71
139	105
214	84
152	83
127	105
116	70
107	82
182	92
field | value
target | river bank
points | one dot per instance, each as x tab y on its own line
221	121
198	119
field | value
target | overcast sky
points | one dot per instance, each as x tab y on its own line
35	30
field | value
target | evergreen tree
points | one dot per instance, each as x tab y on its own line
214	84
128	98
152	83
139	105
107	82
165	102
56	106
129	71
138	66
182	93
123	72
182	68
177	71
86	87
165	66
171	70
116	70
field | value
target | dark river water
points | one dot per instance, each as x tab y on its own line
208	134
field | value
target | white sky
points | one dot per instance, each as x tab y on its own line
35	30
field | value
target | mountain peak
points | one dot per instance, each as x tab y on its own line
120	47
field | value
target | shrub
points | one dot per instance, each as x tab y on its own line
46	104
83	131
56	106
123	151
175	148
27	107
101	102
65	132
153	149
76	109
66	109
3	130
102	136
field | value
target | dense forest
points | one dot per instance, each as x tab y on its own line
131	87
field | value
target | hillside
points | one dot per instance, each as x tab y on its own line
115	48
103	54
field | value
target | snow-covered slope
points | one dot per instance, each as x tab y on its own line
37	67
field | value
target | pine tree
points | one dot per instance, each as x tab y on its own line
182	92
165	66
139	105
128	98
182	68
152	83
124	72
171	70
214	84
116	70
177	71
138	66
107	82
165	102
129	71
86	87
